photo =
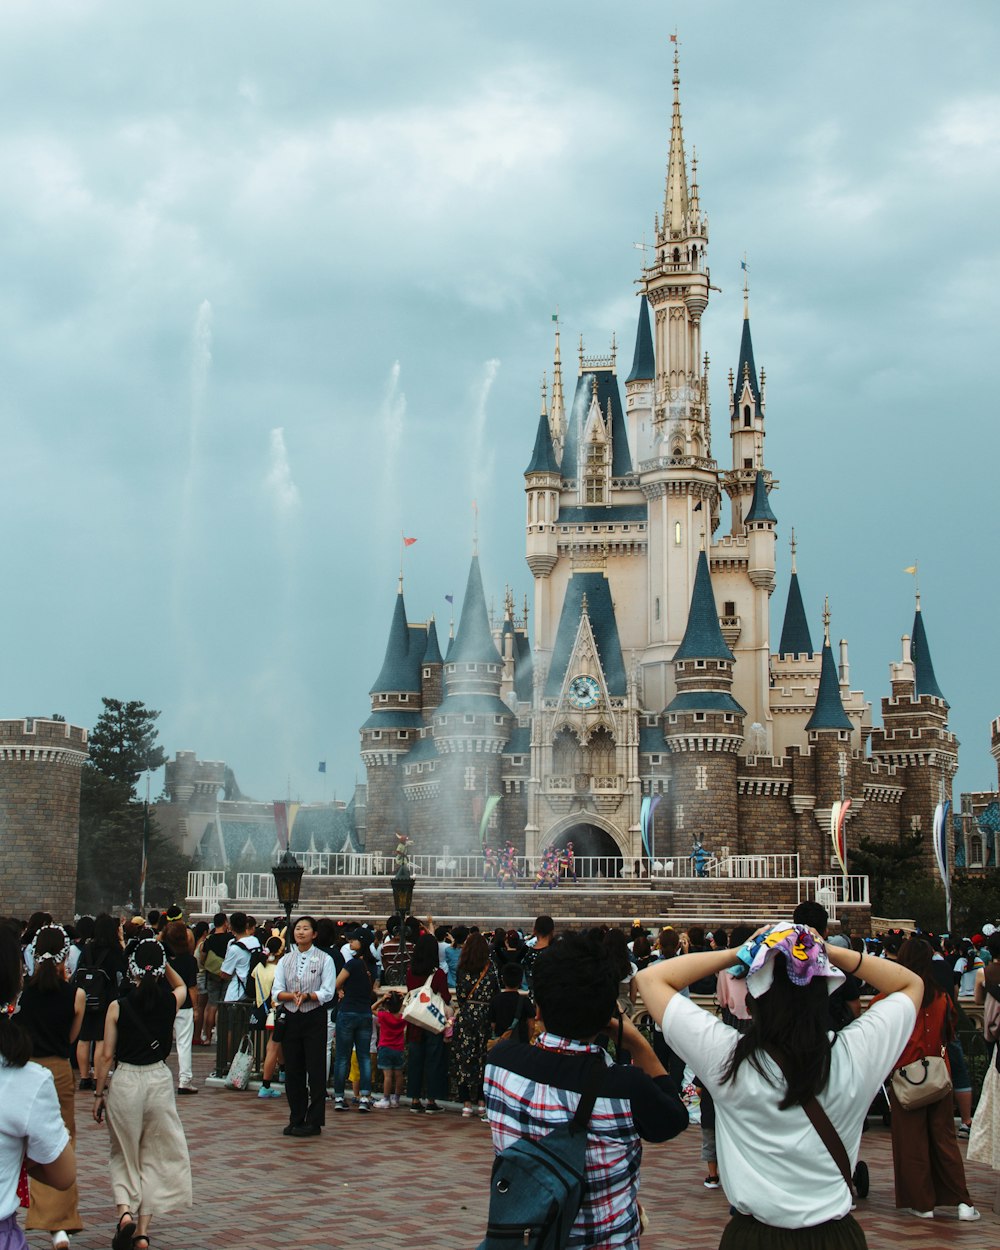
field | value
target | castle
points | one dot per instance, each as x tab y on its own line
646	667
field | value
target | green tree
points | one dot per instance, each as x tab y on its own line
891	868
122	746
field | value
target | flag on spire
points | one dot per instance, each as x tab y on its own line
408	542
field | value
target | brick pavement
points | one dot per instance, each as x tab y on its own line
391	1181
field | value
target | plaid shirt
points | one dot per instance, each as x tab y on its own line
532	1089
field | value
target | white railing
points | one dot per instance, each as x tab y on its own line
780	867
256	885
851	890
207	889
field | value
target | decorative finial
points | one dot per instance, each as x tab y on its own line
545	394
826	620
614	349
581	352
746	288
583	604
795	547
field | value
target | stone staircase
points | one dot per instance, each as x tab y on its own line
681	901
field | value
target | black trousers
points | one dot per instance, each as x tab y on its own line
304	1047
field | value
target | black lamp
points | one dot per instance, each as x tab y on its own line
402	902
287	873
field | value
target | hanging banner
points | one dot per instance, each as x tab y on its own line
838	814
644	825
281	823
941	852
488	810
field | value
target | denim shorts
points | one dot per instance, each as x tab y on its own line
390	1060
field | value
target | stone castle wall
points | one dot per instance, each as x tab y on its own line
40	762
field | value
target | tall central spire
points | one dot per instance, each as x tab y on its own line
675	201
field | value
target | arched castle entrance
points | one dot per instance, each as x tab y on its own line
593	839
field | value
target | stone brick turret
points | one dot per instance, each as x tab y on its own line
40	762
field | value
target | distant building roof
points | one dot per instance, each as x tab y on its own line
643	362
795	636
599	513
432	652
473	705
924	680
607	391
760	507
703	638
705	701
601	612
829	711
391	718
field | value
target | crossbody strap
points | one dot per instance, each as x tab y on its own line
823	1125
138	1021
585	1107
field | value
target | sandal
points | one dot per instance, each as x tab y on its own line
140	1238
124	1233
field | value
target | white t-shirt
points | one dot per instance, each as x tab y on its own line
237	962
29	1117
773	1164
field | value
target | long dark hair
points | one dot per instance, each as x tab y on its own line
46	976
37	920
916	954
616	946
793	1020
107	936
425	957
149	957
15	1044
475	954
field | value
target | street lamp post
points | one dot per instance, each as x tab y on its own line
287	874
402	883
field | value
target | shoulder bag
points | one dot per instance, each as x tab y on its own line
426	1008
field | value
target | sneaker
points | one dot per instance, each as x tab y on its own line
433	1109
416	1108
922	1215
186	1089
60	1240
467	1113
88	1083
963	1130
340	1105
365	1104
268	1093
394	1100
383	1104
968	1212
712	1182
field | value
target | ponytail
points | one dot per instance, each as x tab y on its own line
15	1044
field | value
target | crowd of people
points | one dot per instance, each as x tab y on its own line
521	1030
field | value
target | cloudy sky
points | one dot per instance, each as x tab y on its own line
276	285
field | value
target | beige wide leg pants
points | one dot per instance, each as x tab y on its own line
149	1165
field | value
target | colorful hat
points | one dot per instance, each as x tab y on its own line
805	958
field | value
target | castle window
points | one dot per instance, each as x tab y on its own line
470	779
383	698
656	608
701	777
469	719
699	718
404	734
699	663
677	533
672	718
497	720
729	608
976	851
625	528
404	698
729	718
427	672
677	255
376	734
747	462
470	668
747	418
655	759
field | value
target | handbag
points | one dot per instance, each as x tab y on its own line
238	1076
922	1082
425	1008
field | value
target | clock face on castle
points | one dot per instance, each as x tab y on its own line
584	691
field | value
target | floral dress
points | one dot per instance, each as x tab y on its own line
473	995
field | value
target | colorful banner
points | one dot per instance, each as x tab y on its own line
838	814
488	810
646	825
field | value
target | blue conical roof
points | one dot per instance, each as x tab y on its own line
925	681
829	711
746	364
474	641
760	508
432	652
397	670
703	638
643	362
543	458
795	637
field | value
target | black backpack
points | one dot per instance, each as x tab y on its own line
258	956
536	1187
95	983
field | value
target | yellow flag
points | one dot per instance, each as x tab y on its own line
911	569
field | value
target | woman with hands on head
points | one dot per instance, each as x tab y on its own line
763	1080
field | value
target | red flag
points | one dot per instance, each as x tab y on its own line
408	542
673	38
